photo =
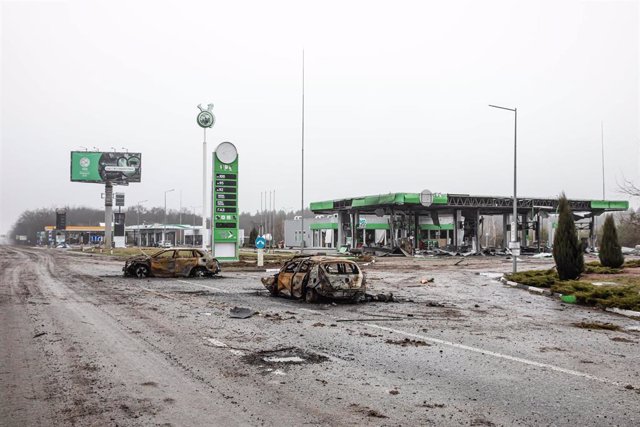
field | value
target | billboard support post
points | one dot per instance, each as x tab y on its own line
108	214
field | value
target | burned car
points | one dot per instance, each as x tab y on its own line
315	277
171	263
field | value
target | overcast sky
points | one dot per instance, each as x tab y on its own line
396	95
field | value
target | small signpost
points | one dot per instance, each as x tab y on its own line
261	242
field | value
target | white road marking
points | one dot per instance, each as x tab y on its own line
215	342
220	344
204	286
224	291
290	359
494	354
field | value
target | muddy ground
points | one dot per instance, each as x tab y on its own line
82	345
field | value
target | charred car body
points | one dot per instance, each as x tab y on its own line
315	277
171	263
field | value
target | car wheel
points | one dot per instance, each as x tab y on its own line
311	295
141	271
199	272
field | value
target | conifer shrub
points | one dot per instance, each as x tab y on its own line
567	250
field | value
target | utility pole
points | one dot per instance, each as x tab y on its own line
602	144
302	186
515	247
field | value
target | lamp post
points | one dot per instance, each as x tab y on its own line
139	232
164	224
302	172
193	230
514	221
205	120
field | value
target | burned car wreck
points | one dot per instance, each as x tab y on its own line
315	277
173	262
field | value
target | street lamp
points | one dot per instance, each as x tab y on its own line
164	224
193	230
514	222
139	232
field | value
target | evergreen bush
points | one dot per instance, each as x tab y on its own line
610	251
567	250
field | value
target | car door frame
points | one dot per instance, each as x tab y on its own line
166	268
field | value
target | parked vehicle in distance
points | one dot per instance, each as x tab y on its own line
315	277
173	262
163	244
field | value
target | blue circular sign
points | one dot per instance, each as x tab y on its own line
261	242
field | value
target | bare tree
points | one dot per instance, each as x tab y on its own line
629	187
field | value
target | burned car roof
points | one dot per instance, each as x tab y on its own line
321	258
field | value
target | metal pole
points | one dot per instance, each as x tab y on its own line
108	214
302	186
180	220
514	220
139	230
602	143
204	192
269	221
164	224
139	234
514	233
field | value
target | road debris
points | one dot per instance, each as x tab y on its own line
39	334
597	325
241	313
409	343
367	411
380	297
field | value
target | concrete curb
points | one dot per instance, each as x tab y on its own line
525	287
627	313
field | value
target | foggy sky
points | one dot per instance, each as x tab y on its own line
396	97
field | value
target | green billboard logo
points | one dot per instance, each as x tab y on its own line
102	167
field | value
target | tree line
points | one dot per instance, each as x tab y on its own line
30	222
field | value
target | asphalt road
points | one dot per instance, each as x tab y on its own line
82	345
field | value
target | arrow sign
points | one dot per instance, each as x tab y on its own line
260	242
